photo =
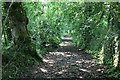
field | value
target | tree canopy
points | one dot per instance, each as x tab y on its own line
31	30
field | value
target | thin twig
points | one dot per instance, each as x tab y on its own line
8	12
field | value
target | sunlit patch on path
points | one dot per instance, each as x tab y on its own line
67	61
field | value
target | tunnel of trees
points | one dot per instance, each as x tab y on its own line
32	30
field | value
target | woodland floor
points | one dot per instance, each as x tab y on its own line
67	61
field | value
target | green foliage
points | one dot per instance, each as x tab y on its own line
111	70
43	25
93	27
15	63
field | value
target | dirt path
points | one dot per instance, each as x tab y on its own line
65	62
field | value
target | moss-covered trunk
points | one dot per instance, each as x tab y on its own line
18	24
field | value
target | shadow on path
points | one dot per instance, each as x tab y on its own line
65	62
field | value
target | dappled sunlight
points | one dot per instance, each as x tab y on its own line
43	70
81	77
40	69
61	72
66	38
117	53
89	61
50	64
85	70
68	55
78	61
65	43
57	53
100	70
101	54
67	61
64	54
58	39
35	72
48	61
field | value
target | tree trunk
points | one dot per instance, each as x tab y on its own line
118	66
0	42
18	24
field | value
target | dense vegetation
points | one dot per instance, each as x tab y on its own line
30	30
